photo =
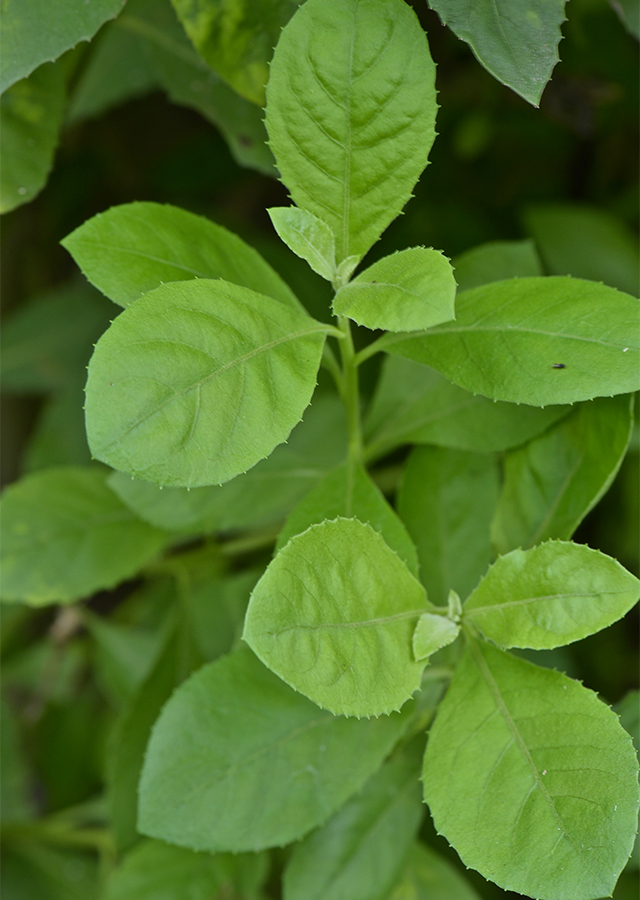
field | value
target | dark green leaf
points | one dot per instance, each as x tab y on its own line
429	876
496	261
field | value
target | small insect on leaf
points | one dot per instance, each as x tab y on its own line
558	366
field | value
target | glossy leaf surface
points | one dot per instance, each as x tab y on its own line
198	381
350	114
334	615
214	748
531	778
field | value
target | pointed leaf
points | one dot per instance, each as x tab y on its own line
536	341
65	535
333	616
552	482
350	114
349	492
433	632
199	380
308	237
131	249
516	40
551	595
531	778
407	291
496	261
234	732
429	876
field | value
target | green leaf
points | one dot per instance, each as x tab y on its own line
536	341
17	804
429	876
31	114
407	291
629	13
433	632
351	111
65	535
496	261
309	237
552	482
32	869
516	40
132	249
59	437
349	492
414	404
359	853
333	616
237	39
585	242
234	732
264	494
198	381
551	595
38	31
531	778
446	500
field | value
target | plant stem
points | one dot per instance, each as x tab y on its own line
351	393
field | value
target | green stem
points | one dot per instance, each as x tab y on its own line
351	394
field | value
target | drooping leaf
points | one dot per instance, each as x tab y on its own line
65	535
536	341
37	31
234	732
433	632
496	261
516	40
309	237
551	595
31	113
129	250
350	114
414	404
349	492
429	876
446	500
334	615
551	483
198	381
531	778
264	494
407	291
359	852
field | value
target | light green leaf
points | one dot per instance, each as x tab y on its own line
349	492
31	114
333	616
132	249
350	114
309	237
264	494
536	341
551	483
551	595
433	632
531	778
407	291
236	39
198	381
37	31
496	261
359	853
446	500
585	242
516	40
65	535
429	876
414	404
234	732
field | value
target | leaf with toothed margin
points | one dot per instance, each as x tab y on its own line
309	237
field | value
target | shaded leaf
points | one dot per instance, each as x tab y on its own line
429	876
309	237
496	261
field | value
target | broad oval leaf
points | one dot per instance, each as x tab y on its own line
334	615
65	535
536	341
433	632
407	291
198	381
234	734
131	249
551	595
309	237
531	778
351	109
